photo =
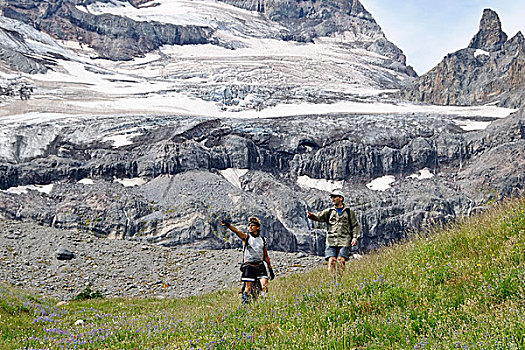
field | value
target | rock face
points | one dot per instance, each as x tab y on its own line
188	172
18	55
112	37
168	178
490	36
497	169
490	70
18	61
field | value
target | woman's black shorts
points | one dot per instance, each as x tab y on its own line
251	273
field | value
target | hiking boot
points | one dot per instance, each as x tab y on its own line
245	299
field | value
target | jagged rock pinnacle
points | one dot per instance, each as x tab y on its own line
490	37
490	70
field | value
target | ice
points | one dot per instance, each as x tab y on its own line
381	183
472	125
233	176
181	103
423	174
187	12
319	184
24	189
136	181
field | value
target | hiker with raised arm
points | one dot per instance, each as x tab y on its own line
343	231
254	254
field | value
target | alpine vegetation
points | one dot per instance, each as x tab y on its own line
460	286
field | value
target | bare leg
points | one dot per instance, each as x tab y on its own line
264	285
341	264
331	264
248	287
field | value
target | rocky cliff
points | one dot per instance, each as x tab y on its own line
112	37
489	70
178	175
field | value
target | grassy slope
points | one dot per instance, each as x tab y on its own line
460	287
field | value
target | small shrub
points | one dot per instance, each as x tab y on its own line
87	293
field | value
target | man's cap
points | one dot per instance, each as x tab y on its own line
335	193
254	220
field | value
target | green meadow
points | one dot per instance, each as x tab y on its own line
454	287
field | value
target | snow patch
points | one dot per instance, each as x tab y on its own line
471	125
24	189
181	12
136	181
480	52
319	184
86	181
234	176
381	183
423	174
121	140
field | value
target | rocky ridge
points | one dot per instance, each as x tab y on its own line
489	70
490	36
112	37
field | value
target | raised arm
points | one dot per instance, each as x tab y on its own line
235	230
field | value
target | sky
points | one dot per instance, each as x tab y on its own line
427	30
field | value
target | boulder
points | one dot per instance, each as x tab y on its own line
64	253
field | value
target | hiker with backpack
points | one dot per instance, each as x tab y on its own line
343	231
254	254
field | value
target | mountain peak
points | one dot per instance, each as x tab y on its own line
488	71
518	37
490	36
